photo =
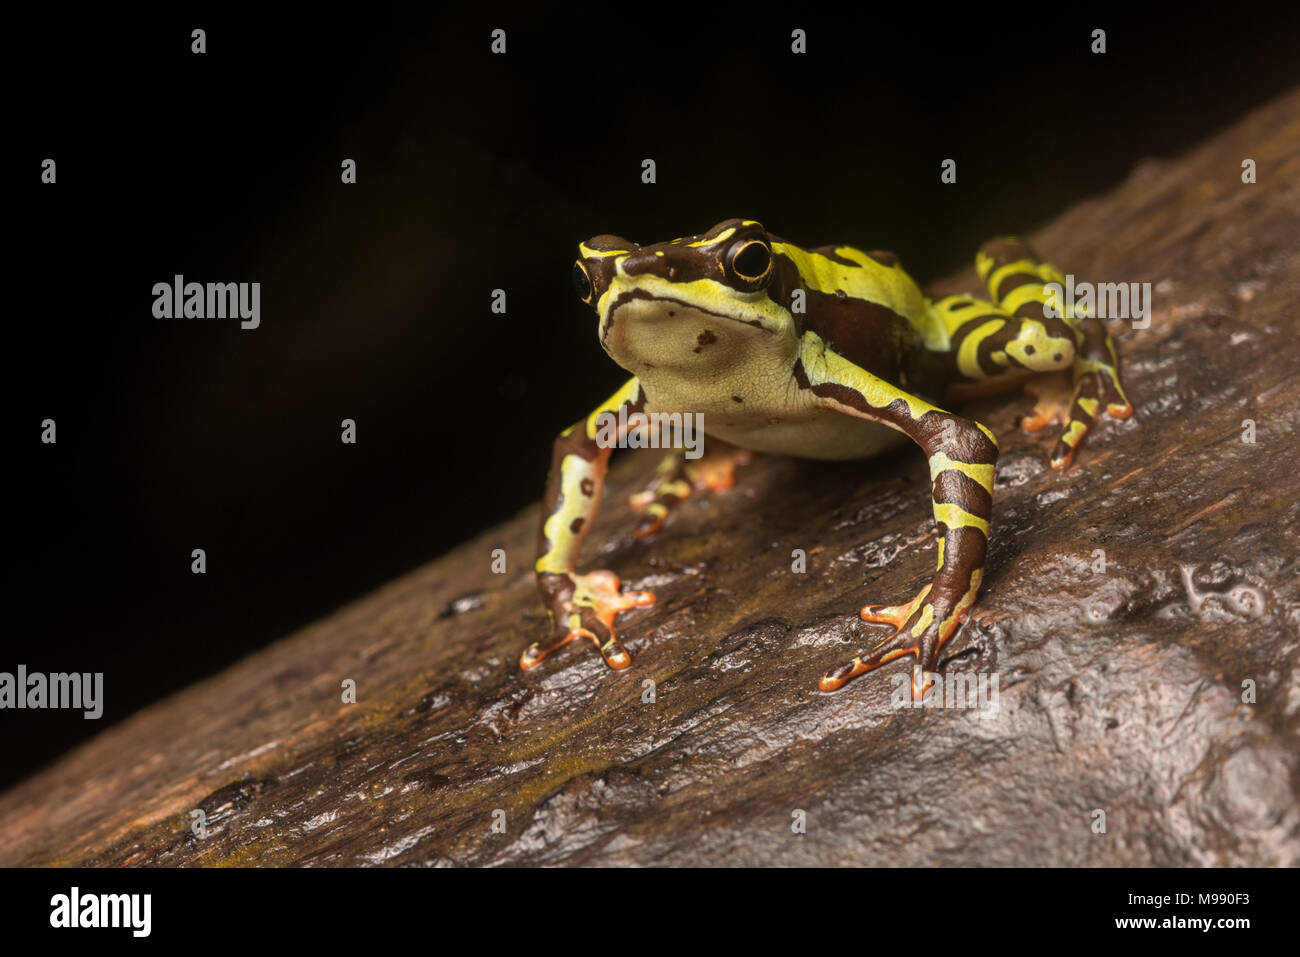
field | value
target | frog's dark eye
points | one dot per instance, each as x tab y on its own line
582	284
750	260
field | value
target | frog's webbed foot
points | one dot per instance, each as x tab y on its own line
921	628
585	606
677	477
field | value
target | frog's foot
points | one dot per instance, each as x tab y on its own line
585	606
716	471
677	477
921	628
1096	384
1052	396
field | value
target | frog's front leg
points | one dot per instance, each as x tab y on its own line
582	606
677	477
962	456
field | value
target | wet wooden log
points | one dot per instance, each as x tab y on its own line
1120	691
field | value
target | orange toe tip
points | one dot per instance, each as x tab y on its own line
1119	411
837	678
619	660
640	599
529	658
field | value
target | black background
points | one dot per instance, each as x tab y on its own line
475	172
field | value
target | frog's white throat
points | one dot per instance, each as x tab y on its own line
642	333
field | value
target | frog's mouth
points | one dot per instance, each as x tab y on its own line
668	303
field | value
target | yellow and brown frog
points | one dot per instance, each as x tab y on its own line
828	353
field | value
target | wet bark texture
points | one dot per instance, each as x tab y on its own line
1119	691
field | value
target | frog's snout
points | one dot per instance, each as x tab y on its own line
645	264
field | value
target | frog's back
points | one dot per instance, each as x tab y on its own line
861	304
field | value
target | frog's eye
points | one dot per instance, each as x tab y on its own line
750	260
582	283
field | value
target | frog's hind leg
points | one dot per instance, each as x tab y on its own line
993	349
1017	280
678	476
1096	381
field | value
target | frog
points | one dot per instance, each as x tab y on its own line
826	353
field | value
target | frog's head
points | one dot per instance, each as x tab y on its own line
692	304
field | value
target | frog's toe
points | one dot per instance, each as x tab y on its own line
611	649
655	506
900	645
890	649
1117	403
538	650
652	519
895	615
